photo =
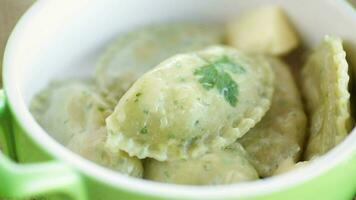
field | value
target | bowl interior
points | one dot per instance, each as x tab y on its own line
65	39
60	39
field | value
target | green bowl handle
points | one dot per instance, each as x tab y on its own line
6	140
29	180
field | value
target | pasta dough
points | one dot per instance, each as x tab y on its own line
65	109
221	167
74	114
279	136
264	30
191	103
325	86
136	52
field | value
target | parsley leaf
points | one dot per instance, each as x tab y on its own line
214	75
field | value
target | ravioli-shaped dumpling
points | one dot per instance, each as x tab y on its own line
136	52
91	146
69	107
279	136
74	114
191	103
264	30
225	166
325	85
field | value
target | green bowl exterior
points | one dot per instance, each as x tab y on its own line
338	183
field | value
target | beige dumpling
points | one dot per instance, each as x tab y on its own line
74	114
289	165
136	52
191	103
69	107
91	146
226	166
263	30
280	135
325	85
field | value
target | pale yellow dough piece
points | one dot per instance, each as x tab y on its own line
280	134
138	51
325	85
69	107
175	112
74	114
263	30
226	166
289	165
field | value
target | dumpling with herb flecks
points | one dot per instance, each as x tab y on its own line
74	114
228	165
325	86
191	103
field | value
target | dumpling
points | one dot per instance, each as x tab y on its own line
191	103
325	85
136	52
74	114
289	165
264	30
225	166
280	135
69	107
91	146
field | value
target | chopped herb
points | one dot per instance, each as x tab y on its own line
144	130
214	75
101	109
196	123
145	111
225	62
137	96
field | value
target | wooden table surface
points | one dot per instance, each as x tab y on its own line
10	12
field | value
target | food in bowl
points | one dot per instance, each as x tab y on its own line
190	103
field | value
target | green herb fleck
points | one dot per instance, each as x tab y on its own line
101	109
214	75
144	130
225	62
137	96
146	112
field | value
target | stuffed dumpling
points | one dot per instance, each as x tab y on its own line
191	103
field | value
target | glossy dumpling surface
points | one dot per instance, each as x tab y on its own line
191	103
136	52
325	85
280	135
225	166
74	114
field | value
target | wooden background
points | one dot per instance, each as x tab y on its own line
10	12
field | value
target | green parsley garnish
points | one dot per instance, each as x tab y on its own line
214	75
